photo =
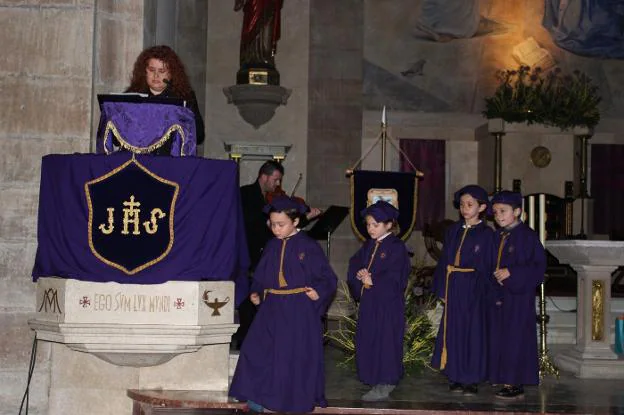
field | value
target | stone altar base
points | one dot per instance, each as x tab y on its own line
594	261
108	337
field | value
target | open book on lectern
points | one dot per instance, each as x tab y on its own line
138	98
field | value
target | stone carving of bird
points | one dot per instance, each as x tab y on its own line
416	69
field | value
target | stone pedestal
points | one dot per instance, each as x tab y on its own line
257	103
594	261
110	337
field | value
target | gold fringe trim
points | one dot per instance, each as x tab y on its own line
111	128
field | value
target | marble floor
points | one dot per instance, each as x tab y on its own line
428	391
422	393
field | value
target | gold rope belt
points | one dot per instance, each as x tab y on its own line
449	270
284	292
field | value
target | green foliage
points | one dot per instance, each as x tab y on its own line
419	336
550	98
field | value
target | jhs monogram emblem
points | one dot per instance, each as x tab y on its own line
301	256
131	217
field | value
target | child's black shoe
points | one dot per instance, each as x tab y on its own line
511	392
471	389
456	387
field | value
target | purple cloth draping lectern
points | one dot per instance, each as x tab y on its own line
143	125
140	219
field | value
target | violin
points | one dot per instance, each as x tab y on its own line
313	213
280	192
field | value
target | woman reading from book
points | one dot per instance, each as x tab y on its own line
159	72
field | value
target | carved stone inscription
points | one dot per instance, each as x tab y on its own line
120	302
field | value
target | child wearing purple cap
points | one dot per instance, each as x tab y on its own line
520	264
377	279
281	361
460	282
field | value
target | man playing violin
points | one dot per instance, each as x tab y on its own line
253	199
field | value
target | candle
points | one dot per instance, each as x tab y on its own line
532	212
542	218
383	116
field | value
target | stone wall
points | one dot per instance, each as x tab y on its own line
181	24
55	57
335	112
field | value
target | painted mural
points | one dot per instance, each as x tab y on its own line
442	55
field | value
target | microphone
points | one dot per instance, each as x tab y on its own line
168	84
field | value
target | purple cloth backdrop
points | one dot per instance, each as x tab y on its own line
429	157
209	241
607	188
144	124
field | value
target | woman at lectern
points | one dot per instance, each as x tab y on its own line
158	71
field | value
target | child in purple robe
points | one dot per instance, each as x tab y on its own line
377	278
460	282
280	366
520	264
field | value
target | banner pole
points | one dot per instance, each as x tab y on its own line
384	136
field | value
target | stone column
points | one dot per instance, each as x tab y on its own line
117	40
54	61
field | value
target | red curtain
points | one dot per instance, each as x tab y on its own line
429	157
607	189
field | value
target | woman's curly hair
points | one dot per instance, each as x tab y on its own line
179	81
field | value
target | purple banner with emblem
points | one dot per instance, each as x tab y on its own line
140	220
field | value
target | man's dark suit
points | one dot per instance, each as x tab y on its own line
256	229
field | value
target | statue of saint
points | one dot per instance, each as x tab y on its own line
260	32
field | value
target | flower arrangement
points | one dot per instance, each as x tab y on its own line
550	98
420	334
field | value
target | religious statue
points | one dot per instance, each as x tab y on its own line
259	36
